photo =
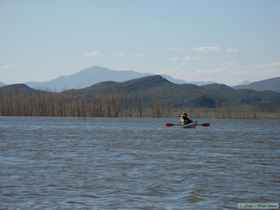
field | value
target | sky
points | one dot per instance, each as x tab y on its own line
200	40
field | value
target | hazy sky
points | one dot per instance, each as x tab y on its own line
216	40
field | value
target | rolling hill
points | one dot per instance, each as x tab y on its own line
88	77
17	88
85	78
150	94
93	75
179	95
272	84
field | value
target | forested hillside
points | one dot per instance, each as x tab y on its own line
147	96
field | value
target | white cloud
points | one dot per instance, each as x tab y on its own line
120	54
5	66
187	58
232	50
275	64
207	49
176	49
183	59
174	59
139	54
229	71
215	49
223	67
92	53
209	70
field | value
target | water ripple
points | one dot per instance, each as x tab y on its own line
72	163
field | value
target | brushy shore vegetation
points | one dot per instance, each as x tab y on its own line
54	105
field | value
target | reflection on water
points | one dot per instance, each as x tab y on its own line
68	163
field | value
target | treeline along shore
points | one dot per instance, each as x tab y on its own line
151	96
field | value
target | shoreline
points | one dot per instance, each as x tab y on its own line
194	115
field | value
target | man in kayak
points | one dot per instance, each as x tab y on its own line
184	119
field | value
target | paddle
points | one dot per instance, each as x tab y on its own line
205	124
172	124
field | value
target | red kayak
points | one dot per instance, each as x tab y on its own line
192	125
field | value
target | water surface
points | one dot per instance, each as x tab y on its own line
127	164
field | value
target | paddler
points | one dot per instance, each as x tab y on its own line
184	119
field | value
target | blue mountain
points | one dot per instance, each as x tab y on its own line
93	75
272	84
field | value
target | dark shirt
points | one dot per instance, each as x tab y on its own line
187	120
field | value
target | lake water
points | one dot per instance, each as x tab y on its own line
127	164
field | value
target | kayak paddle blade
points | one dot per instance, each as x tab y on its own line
205	124
169	124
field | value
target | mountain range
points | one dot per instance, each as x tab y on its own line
267	84
93	75
97	74
88	77
179	95
85	78
150	94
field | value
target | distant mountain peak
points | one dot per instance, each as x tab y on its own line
94	68
152	78
217	86
148	81
86	78
139	84
95	74
272	84
17	88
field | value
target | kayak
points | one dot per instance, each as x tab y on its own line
193	125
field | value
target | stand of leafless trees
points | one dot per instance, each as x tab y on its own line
59	104
54	104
